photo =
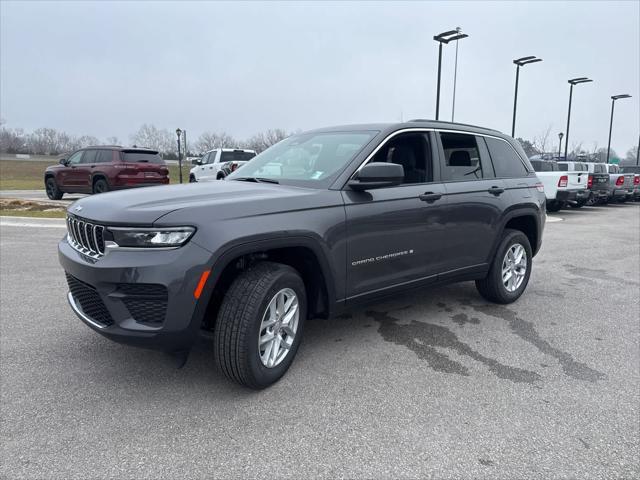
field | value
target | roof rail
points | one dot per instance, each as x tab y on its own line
452	123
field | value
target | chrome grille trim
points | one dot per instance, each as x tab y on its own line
85	237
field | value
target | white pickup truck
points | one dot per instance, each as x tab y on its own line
560	187
218	163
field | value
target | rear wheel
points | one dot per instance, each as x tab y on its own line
554	206
259	327
510	270
100	186
51	187
591	200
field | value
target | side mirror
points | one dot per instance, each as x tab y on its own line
63	161
377	175
196	162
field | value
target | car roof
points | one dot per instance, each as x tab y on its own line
119	148
231	150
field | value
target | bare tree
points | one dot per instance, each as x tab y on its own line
210	140
12	141
264	140
540	142
113	140
151	137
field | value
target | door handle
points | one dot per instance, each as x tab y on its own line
430	197
496	191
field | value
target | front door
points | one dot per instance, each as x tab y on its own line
395	233
72	174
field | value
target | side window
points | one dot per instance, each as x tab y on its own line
413	152
461	158
212	156
89	156
506	161
104	156
563	167
75	158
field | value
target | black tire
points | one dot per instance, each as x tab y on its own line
51	187
591	201
192	179
491	287
220	176
238	324
100	186
554	206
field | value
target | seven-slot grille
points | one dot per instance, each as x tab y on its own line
86	237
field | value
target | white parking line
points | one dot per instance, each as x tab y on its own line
554	219
32	222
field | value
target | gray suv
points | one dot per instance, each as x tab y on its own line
322	222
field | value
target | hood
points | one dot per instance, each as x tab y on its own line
143	206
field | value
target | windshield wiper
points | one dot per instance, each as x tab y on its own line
257	179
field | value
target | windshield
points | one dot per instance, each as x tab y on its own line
308	159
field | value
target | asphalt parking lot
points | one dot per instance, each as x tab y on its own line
434	384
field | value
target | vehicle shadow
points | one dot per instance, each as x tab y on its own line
432	324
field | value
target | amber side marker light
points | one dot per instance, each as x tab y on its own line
203	279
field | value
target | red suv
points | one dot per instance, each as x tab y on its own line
100	169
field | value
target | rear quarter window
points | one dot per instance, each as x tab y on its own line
142	157
506	161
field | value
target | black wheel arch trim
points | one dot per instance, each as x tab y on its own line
223	257
518	211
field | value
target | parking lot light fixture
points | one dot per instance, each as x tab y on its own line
444	38
613	102
520	62
560	135
178	132
572	82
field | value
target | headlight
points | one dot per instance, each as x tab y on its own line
151	237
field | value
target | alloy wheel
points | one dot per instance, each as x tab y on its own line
278	327
514	267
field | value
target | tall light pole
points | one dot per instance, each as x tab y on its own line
572	82
613	102
178	132
560	135
520	62
444	38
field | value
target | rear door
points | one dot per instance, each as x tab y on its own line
476	199
395	234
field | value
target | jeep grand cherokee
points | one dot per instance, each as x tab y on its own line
319	223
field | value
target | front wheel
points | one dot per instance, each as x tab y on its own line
510	269
192	178
53	192
260	323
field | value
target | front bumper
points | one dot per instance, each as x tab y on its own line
112	289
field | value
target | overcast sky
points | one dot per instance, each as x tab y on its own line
105	68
